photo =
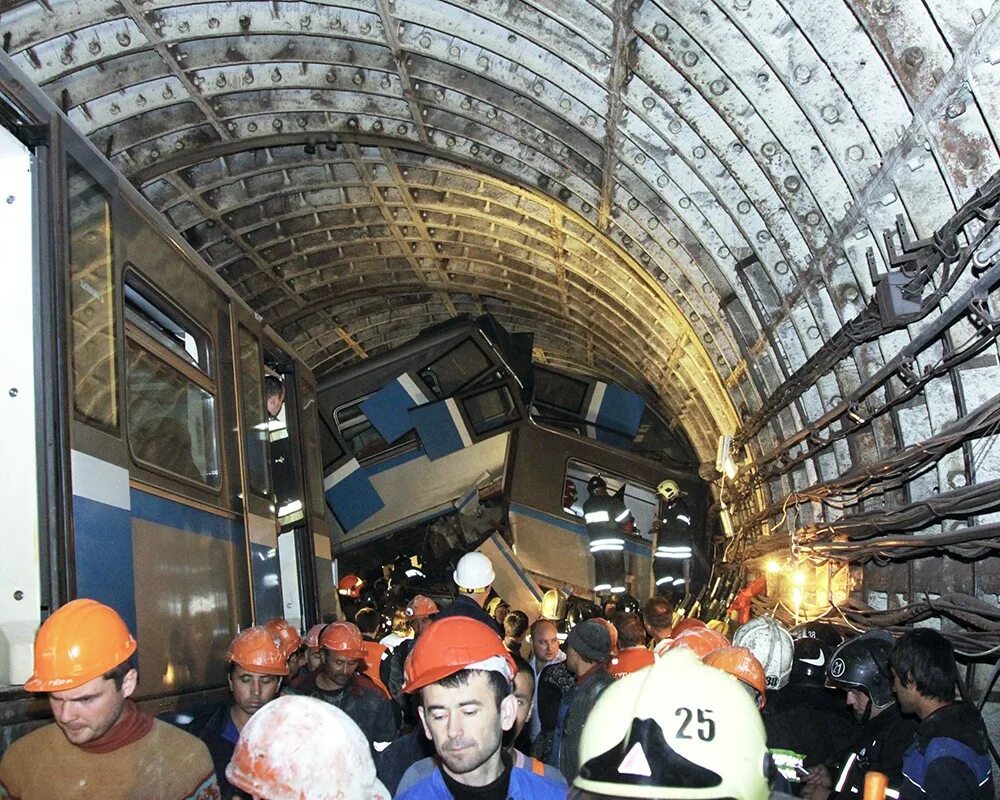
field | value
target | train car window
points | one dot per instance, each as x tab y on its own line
641	500
171	399
312	472
330	447
362	439
559	393
490	410
91	291
251	365
456	369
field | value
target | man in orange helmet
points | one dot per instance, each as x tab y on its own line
464	675
257	664
101	744
291	642
339	683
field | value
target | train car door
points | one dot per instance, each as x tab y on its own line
21	489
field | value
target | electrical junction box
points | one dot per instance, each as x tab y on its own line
892	305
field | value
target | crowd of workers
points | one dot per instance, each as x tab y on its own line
470	701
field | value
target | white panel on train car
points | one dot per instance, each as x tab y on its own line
291	602
20	600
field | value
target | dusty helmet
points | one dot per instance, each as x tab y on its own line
677	729
258	650
297	747
668	490
772	644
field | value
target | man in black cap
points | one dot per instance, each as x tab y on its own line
588	648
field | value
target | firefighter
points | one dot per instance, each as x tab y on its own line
101	744
604	514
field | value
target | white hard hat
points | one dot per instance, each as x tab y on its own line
474	573
300	747
773	645
676	729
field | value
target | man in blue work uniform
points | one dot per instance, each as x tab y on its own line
464	675
949	758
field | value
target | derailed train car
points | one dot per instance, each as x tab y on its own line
456	440
143	465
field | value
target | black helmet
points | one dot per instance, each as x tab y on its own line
580	611
595	483
809	660
863	663
825	632
626	604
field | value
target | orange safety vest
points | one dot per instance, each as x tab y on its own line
374	653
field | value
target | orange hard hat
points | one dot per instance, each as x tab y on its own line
257	650
343	638
350	586
287	634
421	606
612	632
702	640
743	665
688	624
451	645
312	637
630	660
79	642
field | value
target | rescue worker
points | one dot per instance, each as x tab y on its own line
677	729
658	618
861	667
498	608
673	531
256	666
376	654
524	688
299	747
632	654
744	666
464	676
314	653
340	684
949	758
702	640
604	514
100	745
474	578
588	648
291	643
544	651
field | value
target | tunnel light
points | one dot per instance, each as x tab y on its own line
724	461
799	580
773	566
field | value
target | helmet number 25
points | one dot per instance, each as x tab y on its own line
705	728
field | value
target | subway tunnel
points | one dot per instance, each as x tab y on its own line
773	219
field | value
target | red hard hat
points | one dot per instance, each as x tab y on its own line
79	642
630	660
421	606
451	645
350	586
287	634
688	624
257	650
702	640
743	665
312	636
343	638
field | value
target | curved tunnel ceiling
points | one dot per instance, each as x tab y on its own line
680	195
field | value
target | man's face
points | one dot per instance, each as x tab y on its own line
859	702
524	693
906	694
466	726
275	402
252	690
545	642
315	656
86	713
339	669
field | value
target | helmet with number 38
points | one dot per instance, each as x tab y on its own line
678	729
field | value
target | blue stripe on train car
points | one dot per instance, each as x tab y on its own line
388	409
441	428
616	409
575	527
104	569
350	495
173	514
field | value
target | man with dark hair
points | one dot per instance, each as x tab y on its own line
101	745
949	758
658	617
376	659
632	654
515	626
464	675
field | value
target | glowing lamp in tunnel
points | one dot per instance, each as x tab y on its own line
773	566
799	580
